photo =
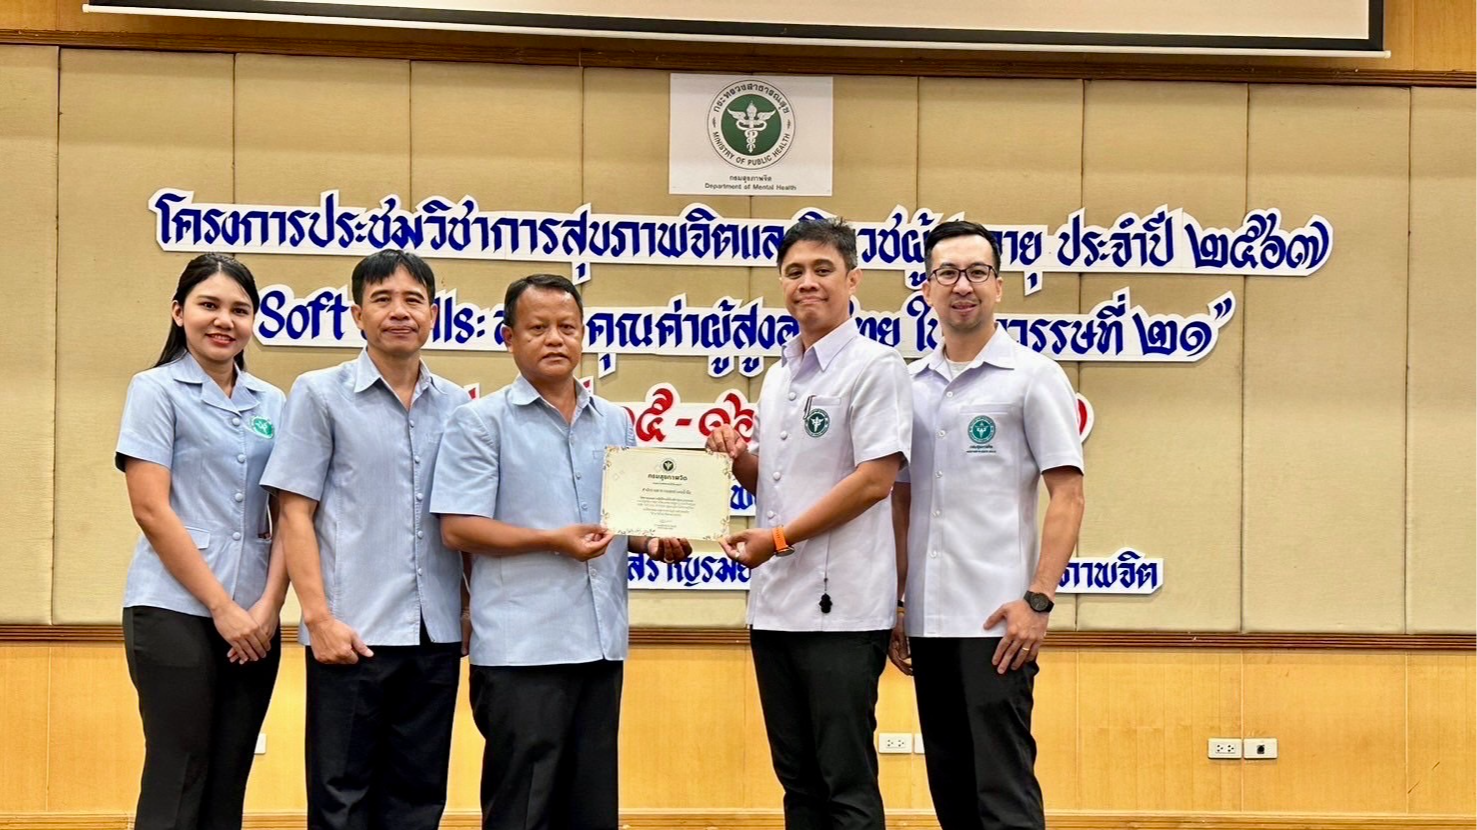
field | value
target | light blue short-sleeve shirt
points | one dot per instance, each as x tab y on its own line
215	448
348	443
512	457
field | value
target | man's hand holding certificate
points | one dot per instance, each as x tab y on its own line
658	492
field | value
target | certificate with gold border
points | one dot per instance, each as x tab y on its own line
655	491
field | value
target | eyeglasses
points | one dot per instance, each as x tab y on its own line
949	275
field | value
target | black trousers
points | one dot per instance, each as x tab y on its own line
378	737
550	762
818	691
976	724
201	715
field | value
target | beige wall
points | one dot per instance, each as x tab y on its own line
1300	478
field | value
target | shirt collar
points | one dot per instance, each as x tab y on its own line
243	396
366	373
998	352
522	393
825	348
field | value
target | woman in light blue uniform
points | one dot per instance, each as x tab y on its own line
207	582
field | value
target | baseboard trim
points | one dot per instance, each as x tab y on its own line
896	820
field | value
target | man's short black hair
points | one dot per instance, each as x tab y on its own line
378	267
548	282
834	232
957	228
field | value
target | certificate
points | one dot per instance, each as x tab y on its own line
653	491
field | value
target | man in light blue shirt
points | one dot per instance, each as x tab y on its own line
518	481
381	595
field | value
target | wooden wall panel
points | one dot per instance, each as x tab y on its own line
682	727
1164	459
25	691
28	114
1339	721
1057	723
1146	718
1442	729
1008	152
95	743
130	123
1441	573
1324	428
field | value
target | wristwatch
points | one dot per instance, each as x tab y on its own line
781	547
1040	603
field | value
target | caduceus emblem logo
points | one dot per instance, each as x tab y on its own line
752	122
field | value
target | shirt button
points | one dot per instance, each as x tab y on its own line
941	433
769	514
938	512
584	506
576	475
412	423
784	435
775	475
792	396
933	554
948	394
235	422
417	496
236	536
939	474
420	534
418	571
417	459
241	457
240	497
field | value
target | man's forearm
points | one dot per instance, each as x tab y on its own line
490	537
746	471
902	502
869	483
304	567
1059	534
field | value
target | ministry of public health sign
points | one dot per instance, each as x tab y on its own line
750	135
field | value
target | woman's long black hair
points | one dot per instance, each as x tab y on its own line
200	269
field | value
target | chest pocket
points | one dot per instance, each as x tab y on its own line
989	436
825	424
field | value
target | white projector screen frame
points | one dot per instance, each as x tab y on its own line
1341	28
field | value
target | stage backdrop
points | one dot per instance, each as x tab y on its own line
1312	471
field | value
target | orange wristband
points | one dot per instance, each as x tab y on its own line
781	547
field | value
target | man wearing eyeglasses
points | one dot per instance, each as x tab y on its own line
991	419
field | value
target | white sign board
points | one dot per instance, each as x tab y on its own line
750	135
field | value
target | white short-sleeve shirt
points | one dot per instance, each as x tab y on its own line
843	402
980	442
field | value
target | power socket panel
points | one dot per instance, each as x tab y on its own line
1224	748
895	743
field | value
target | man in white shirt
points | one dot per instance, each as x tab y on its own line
833	431
991	419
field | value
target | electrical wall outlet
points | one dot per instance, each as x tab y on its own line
1221	748
1260	749
918	743
895	743
261	743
